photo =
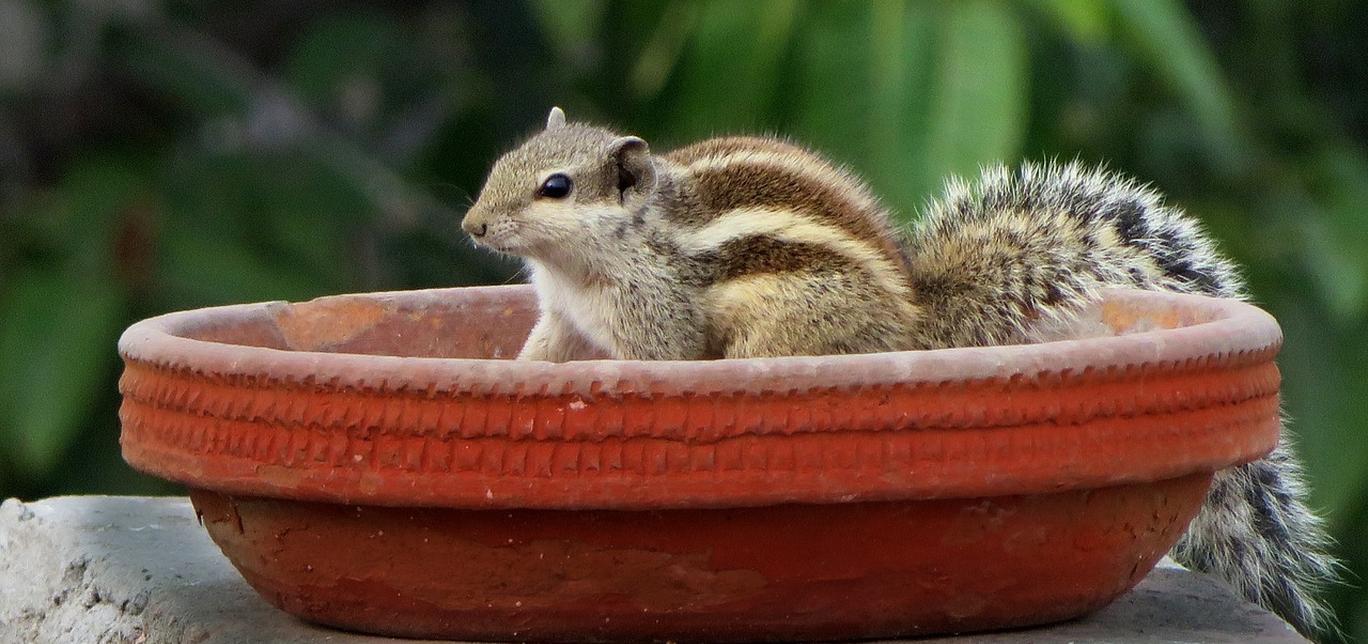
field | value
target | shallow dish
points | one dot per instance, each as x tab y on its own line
375	462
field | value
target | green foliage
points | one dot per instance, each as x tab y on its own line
58	320
61	314
1164	36
979	109
158	156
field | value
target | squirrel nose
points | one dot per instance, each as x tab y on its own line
475	229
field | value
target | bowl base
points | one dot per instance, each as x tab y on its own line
786	572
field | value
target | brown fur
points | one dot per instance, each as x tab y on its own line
758	185
726	145
754	256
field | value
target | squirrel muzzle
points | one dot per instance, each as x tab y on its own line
474	223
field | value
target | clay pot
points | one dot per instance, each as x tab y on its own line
374	462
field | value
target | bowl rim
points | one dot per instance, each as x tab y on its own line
947	423
1235	328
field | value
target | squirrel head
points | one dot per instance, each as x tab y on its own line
563	187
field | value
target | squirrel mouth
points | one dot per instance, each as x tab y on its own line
500	243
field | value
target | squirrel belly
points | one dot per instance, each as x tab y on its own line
753	247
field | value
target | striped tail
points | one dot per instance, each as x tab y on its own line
995	261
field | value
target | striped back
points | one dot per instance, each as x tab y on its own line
761	197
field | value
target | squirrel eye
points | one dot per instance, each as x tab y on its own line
556	186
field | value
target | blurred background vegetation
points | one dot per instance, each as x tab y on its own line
166	155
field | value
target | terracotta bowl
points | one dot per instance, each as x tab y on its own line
374	462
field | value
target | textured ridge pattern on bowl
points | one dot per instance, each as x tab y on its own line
458	432
365	464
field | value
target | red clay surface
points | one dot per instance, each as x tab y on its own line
365	464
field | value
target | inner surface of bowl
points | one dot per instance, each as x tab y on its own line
492	322
457	323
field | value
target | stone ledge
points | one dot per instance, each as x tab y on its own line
141	569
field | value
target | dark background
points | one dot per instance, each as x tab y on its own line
165	155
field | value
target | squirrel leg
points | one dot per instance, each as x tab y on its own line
554	339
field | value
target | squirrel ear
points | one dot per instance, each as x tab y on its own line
556	119
635	172
625	146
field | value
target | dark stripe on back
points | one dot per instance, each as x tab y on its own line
761	255
768	186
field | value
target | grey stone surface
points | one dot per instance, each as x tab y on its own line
138	569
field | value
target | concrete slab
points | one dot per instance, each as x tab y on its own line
142	570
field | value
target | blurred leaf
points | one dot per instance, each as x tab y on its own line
1086	21
262	226
860	104
1338	268
729	76
1166	37
570	25
1338	238
203	271
200	80
664	48
97	190
831	98
23	43
1323	378
56	341
902	43
978	113
85	208
337	49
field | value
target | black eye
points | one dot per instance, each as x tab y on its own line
556	186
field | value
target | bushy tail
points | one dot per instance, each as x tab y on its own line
1256	533
997	261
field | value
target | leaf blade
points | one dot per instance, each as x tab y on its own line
978	112
59	332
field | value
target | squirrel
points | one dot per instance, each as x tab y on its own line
742	247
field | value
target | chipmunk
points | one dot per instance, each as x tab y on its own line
745	247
